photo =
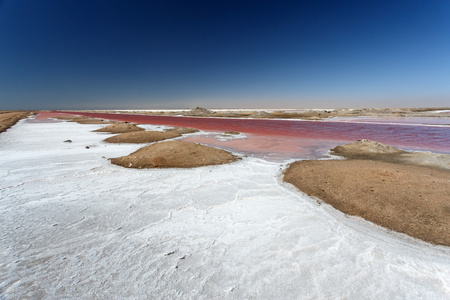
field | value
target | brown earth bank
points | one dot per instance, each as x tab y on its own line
409	199
404	191
366	149
120	128
9	118
174	154
138	137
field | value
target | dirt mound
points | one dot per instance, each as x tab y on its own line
182	130
199	111
138	137
90	121
120	128
174	154
83	120
232	132
66	117
365	149
409	199
261	114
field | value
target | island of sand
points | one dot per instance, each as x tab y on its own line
140	137
83	120
175	154
405	192
120	128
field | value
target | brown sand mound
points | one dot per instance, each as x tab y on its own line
8	119
409	199
232	132
91	121
139	137
182	130
83	120
199	111
174	154
66	117
120	128
365	149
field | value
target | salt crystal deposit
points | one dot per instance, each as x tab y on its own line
75	226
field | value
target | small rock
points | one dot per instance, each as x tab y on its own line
68	141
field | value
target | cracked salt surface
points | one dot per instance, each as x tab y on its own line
74	226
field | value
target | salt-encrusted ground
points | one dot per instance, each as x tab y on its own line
74	226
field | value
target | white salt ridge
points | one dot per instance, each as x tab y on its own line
73	225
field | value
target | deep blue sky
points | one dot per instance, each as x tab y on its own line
83	54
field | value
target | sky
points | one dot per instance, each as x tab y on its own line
108	54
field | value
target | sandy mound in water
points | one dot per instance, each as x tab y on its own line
261	114
182	130
120	128
409	199
232	132
366	149
90	121
139	137
174	154
84	120
199	111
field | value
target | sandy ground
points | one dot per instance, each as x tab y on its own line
182	130
406	192
83	120
366	149
175	154
139	137
8	119
120	128
409	199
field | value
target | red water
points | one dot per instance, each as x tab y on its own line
298	137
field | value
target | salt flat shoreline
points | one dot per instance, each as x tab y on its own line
229	231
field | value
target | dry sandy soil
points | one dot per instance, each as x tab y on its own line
120	128
182	130
137	137
366	149
8	119
83	120
174	154
382	186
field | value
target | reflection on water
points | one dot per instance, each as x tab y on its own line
272	148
